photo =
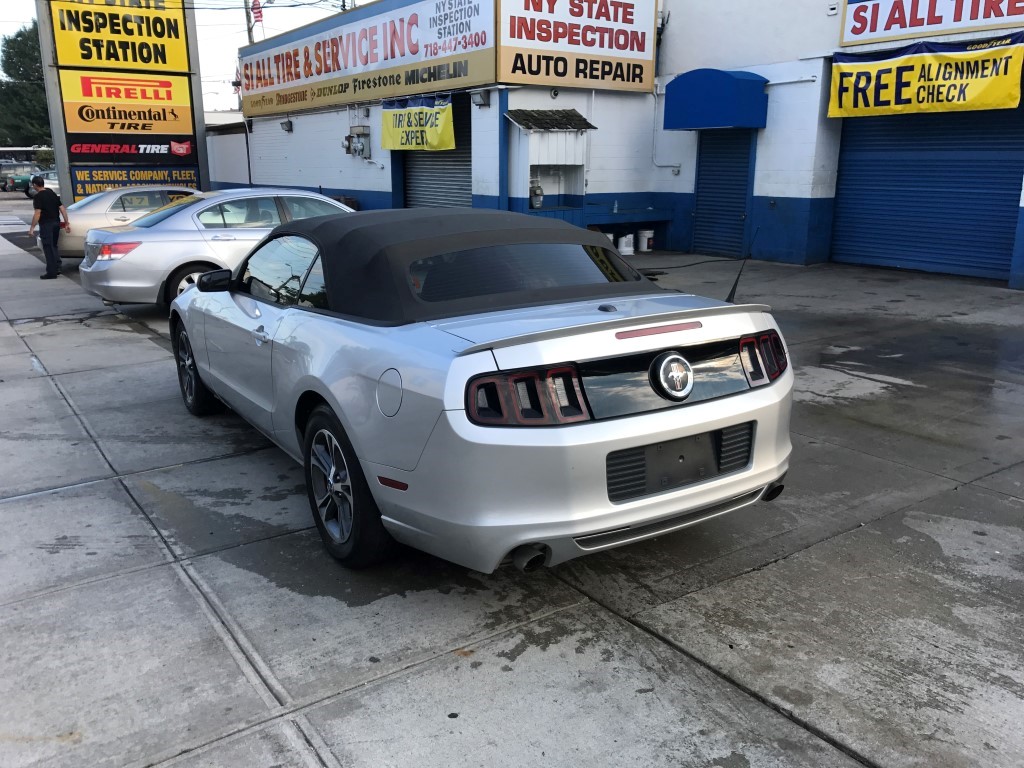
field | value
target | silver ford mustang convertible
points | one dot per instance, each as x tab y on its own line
487	386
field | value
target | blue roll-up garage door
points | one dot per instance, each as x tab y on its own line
934	192
724	160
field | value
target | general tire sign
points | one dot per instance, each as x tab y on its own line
114	148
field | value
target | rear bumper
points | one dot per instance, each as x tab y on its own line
478	493
121	281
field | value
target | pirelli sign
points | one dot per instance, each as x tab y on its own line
109	103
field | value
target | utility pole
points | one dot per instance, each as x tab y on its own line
248	20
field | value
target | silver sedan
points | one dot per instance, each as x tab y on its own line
112	208
487	386
163	252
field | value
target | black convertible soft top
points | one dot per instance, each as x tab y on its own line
367	255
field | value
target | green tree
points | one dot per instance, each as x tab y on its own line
24	119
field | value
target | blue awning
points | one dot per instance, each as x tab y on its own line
714	98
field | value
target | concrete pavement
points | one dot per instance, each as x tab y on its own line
164	599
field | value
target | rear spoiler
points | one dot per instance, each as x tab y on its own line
619	322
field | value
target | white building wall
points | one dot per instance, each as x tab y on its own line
312	154
228	159
619	157
486	149
798	151
741	33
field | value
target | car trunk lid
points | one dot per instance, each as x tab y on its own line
616	346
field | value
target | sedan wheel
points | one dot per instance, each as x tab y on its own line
331	486
187	281
344	510
199	400
182	279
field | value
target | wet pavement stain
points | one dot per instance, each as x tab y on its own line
793	696
62	544
734	760
299	564
200	521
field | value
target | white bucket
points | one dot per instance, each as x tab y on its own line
611	237
626	245
645	240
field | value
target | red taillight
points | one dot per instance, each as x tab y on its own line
116	250
763	357
541	397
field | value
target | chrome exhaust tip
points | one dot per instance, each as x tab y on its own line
528	557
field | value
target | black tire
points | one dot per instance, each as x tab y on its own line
343	507
199	400
171	289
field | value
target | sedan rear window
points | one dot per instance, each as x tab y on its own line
514	268
155	217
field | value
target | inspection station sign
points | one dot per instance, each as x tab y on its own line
422	47
603	44
120	34
929	77
874	21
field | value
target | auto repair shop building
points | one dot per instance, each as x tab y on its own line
879	132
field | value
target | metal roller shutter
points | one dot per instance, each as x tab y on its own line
723	190
443	179
934	192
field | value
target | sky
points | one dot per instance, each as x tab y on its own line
221	30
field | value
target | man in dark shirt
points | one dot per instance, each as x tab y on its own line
49	210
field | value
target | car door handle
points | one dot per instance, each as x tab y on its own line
260	336
122	218
223	237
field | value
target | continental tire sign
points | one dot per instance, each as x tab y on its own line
120	34
119	104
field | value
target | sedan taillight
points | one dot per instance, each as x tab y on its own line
111	251
540	397
764	357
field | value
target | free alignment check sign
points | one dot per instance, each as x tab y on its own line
929	77
102	102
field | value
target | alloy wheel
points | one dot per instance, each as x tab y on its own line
187	373
187	282
332	486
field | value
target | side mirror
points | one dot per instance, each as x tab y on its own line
212	282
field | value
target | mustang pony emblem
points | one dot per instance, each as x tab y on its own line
671	376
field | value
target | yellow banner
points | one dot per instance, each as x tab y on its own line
425	122
951	77
144	34
117	103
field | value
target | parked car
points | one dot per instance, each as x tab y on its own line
487	385
50	181
163	252
113	208
17	177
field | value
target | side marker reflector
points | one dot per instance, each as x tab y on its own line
387	482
